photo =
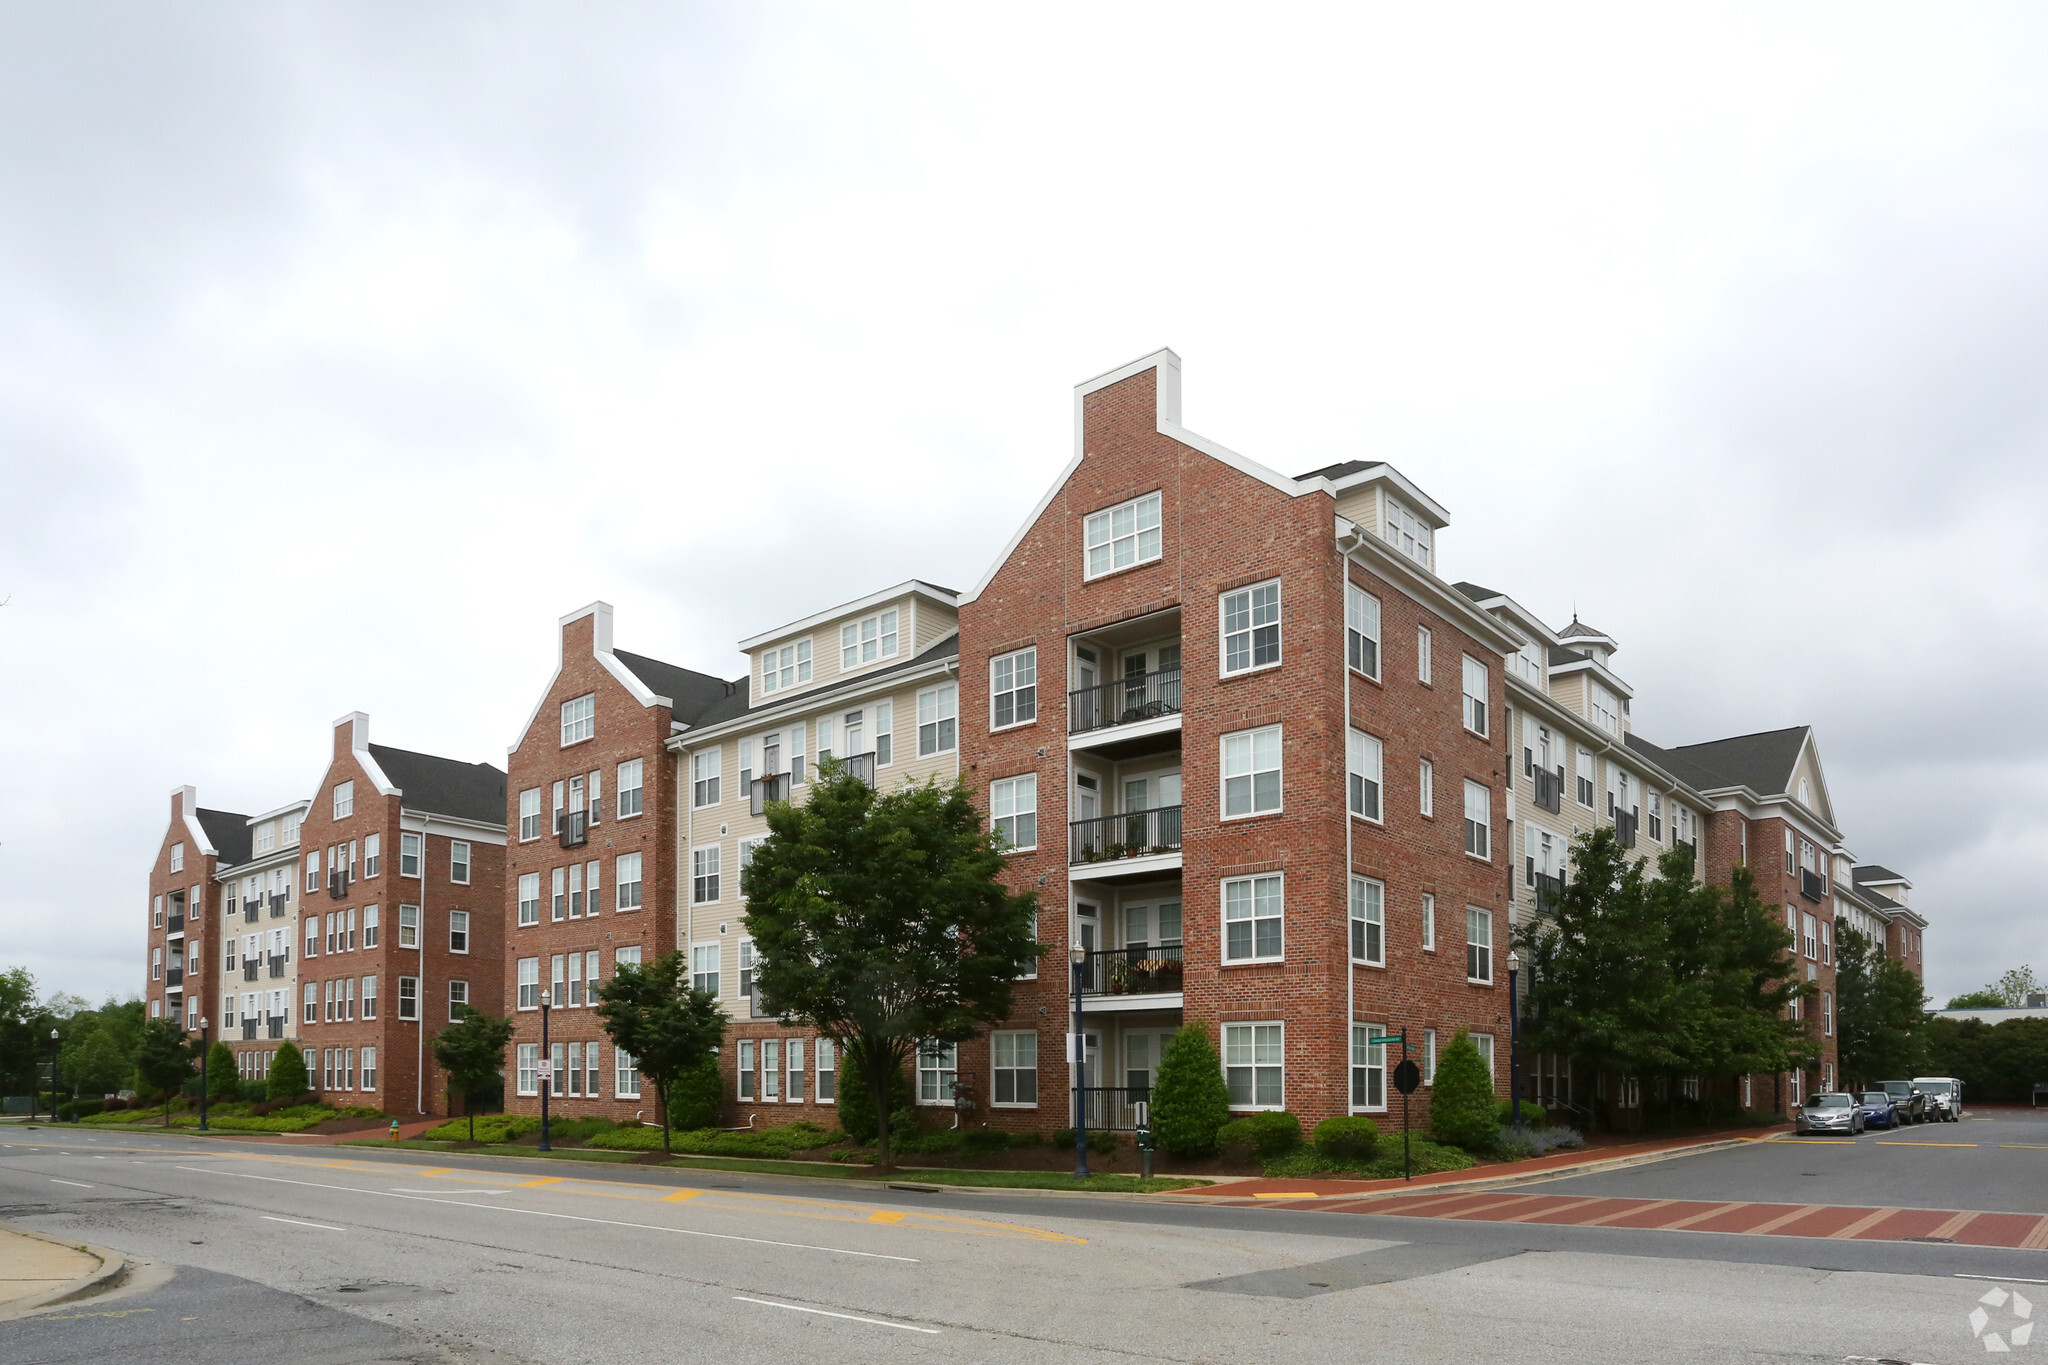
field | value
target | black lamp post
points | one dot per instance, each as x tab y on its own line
1080	1046
1514	1042
204	1024
53	1081
547	1069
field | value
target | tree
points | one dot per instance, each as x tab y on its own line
1879	1011
223	1077
288	1078
2015	986
164	1060
24	1033
1190	1101
882	921
472	1052
1986	999
857	1100
97	1055
652	1012
1462	1109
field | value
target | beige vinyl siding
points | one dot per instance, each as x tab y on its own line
1569	691
920	623
934	623
1361	505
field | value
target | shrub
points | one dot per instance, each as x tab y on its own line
857	1106
696	1098
1533	1115
288	1077
1100	1140
1462	1105
775	1143
1427	1158
941	1143
489	1128
1259	1136
996	1140
1189	1099
263	1108
1347	1138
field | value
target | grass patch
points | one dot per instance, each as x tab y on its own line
415	1144
560	1153
927	1175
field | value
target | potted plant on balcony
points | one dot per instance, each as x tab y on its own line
1119	976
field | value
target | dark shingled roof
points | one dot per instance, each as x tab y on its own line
1689	773
228	832
1560	655
1762	762
1340	471
1884	902
1579	628
1875	872
689	692
1477	593
736	705
444	786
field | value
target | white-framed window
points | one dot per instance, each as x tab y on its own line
629	787
1484	1043
1013	688
558	901
938	720
1406	532
1120	536
1425	785
1254	1065
1361	631
747	1078
156	913
1013	1057
373	854
746	980
1429	1056
1428	922
370	922
1362	775
529	898
458	996
1604	707
311	1013
1251	627
704	967
1586	778
625	957
529	814
1251	772
313	871
789	666
938	1066
458	861
771	1070
704	775
1254	912
1368	922
1477	678
408	926
625	1074
1479	820
1424	665
369	997
408	997
704	875
529	1069
627	875
867	640
529	983
1013	808
1656	818
178	849
1810	938
1827	1013
579	719
828	1077
458	931
410	862
1827	946
1368	1068
344	799
1479	945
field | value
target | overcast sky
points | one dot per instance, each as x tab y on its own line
343	348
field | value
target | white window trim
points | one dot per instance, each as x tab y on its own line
718	852
1355	883
1223	668
995	1103
1223	776
1137	536
1377	748
1485	702
1491	974
567	742
1255	1024
994	728
1012	782
1223	920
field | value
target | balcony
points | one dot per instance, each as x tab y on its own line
1550	789
250	967
273	1026
1812	885
1135	700
860	767
337	885
174	924
1549	890
762	790
174	976
280	901
1135	842
249	1029
252	908
755	1009
574	829
1131	972
277	968
1625	829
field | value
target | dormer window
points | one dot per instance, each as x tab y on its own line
1407	532
1118	537
865	641
787	667
266	836
1528	664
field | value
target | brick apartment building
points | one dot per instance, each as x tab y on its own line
590	867
195	845
401	868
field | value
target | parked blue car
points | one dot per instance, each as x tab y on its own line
1880	1110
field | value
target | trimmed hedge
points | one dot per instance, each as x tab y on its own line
778	1142
1428	1157
1260	1136
1348	1138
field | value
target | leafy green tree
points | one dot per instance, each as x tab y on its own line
1462	1106
1880	1011
669	1027
1190	1101
882	920
857	1100
1986	999
1995	1062
164	1060
223	1078
288	1078
2015	986
1758	979
97	1056
472	1052
697	1097
24	1033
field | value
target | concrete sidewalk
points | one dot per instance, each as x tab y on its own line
36	1271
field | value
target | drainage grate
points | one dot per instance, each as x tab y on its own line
1945	1241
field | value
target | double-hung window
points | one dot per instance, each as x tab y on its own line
529	813
938	720
1251	772
344	801
1423	663
370	926
938	1066
458	861
408	926
1368	922
625	1074
787	667
1253	915
628	878
1362	775
1254	1065
408	855
828	1079
1361	630
1013	688
867	640
1015	1058
1368	1067
369	997
1478	820
408	997
1251	627
1425	787
373	854
704	875
313	871
1013	808
458	931
1476	692
704	967
629	787
579	719
1478	945
529	898
1118	537
529	983
704	775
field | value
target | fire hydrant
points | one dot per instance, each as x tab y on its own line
394	1130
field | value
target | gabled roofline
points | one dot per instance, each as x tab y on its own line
285	809
188	810
1605	674
601	650
1581	730
804	702
915	587
1380	471
359	746
1537	628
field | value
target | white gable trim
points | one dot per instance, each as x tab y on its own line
359	745
188	810
601	650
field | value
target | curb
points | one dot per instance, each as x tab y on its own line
113	1267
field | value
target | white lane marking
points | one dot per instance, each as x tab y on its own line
401	1189
545	1213
97	1157
80	1183
2003	1279
872	1322
272	1218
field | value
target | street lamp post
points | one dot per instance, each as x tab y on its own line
1080	1059
547	1069
53	1081
204	1024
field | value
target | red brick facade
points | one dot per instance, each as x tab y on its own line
181	905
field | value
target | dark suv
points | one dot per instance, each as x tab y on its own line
1911	1100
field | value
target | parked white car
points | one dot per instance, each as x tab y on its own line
1944	1096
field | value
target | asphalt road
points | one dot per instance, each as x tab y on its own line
350	1255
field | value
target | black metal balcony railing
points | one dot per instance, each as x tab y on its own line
1114	1107
1134	834
1126	701
276	968
250	910
860	767
249	1030
174	924
337	885
1625	829
574	831
1812	885
279	900
762	790
174	976
273	1026
1142	970
250	966
1549	890
1550	789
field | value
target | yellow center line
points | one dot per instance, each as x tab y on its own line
2023	1147
1882	1142
680	1195
544	1180
887	1216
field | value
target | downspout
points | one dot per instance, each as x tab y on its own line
419	1004
1348	544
